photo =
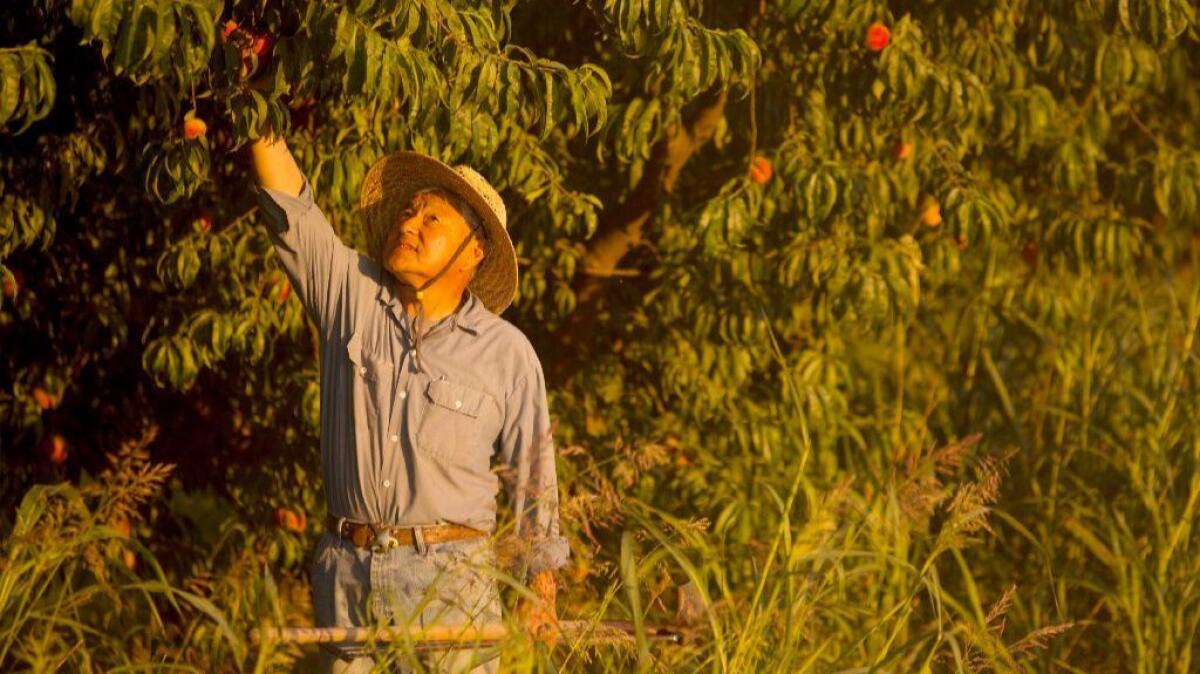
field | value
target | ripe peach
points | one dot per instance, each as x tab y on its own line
1029	253
194	127
55	448
260	45
290	520
961	242
204	222
931	216
43	398
228	29
902	149
761	170
284	292
13	283
878	36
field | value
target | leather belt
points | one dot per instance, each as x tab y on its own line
380	537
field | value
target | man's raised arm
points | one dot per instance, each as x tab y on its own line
274	165
322	269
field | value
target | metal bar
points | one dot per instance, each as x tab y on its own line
573	630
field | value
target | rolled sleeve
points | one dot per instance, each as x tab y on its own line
316	261
527	448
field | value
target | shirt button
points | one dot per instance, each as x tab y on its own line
458	403
363	369
395	438
387	483
403	395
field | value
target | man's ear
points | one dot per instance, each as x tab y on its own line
476	253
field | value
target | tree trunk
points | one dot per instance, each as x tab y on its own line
621	229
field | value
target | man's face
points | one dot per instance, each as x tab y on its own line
424	236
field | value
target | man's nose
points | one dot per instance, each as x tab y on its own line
408	226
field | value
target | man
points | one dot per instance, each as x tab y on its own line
422	384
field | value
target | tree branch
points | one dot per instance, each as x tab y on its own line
621	229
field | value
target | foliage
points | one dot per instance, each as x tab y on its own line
945	348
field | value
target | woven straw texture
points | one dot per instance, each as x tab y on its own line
393	179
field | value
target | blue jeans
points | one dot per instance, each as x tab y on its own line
422	584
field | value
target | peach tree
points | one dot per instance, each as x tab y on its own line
771	254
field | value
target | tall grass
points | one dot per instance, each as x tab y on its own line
845	584
1059	537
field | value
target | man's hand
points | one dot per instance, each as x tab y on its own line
275	166
540	617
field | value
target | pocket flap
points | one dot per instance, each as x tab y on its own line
365	365
455	397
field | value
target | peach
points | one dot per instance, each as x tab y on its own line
55	448
878	36
761	170
194	127
290	520
931	216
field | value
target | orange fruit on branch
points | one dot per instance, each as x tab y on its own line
55	448
193	127
228	29
931	214
1029	253
290	520
43	398
761	170
13	283
878	36
260	45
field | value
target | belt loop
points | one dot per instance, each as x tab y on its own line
419	540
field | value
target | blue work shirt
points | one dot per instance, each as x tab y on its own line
406	446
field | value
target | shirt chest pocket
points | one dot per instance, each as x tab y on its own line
457	422
371	379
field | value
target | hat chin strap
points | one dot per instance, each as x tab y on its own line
421	292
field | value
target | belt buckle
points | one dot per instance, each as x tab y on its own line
384	540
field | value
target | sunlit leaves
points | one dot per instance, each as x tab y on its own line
176	169
972	215
1176	183
1156	21
818	191
1097	239
180	264
27	87
171	360
148	39
23	223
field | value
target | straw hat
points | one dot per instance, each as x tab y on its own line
390	183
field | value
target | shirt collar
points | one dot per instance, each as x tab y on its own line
466	317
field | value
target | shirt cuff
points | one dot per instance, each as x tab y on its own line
547	554
525	557
284	210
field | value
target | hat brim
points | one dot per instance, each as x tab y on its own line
386	190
